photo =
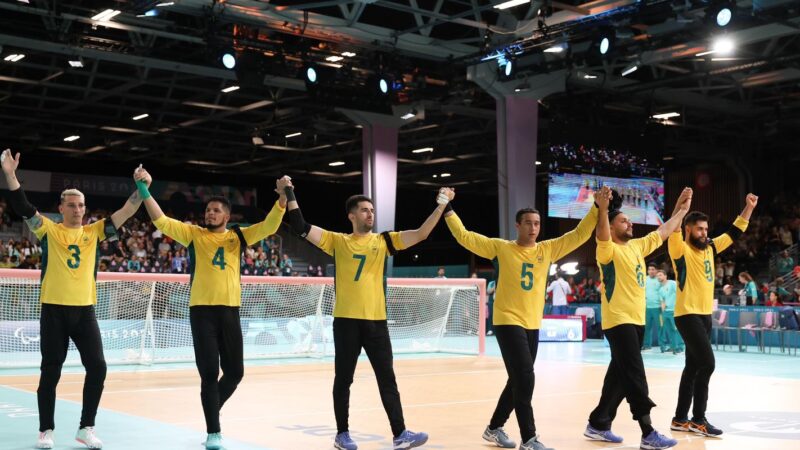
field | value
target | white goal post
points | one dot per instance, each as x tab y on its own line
144	318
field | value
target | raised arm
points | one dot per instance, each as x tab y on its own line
568	242
750	204
412	237
175	229
19	202
674	222
603	198
130	207
298	224
272	222
141	176
739	226
472	241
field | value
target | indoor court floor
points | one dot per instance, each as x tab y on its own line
286	404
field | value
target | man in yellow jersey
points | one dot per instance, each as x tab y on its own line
522	266
68	295
359	314
620	258
215	294
693	261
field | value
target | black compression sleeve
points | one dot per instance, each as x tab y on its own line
289	191
20	204
449	207
297	223
734	232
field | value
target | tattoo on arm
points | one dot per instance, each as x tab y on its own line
135	198
35	222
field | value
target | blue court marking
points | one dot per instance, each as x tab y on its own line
19	421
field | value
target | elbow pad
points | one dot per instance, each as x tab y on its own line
20	204
297	223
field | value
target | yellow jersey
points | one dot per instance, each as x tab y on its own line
522	271
360	280
69	262
215	258
694	271
623	272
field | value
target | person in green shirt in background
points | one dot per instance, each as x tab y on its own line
652	316
669	339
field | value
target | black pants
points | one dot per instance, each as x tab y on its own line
625	378
349	336
57	325
518	347
217	337
696	332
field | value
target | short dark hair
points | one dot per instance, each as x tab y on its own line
353	201
524	211
694	217
224	201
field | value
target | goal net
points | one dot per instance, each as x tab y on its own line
144	318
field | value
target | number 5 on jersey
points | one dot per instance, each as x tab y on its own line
527	276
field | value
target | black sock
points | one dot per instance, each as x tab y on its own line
646	425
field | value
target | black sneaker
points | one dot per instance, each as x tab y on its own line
704	428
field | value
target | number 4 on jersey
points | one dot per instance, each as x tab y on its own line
219	258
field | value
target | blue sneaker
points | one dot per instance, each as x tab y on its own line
600	435
533	444
499	437
214	441
343	441
409	439
657	441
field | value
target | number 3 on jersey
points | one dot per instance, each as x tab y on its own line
527	276
219	258
75	261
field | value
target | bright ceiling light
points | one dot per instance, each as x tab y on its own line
555	49
14	57
230	89
630	69
106	15
444	175
423	150
334	58
665	116
723	46
71	138
511	4
293	135
348	54
336	163
141	116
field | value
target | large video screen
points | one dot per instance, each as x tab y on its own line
571	195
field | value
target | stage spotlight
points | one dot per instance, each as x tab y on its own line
606	39
228	59
721	13
383	85
311	74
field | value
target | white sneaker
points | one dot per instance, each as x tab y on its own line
45	439
87	437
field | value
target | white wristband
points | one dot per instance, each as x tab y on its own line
442	199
